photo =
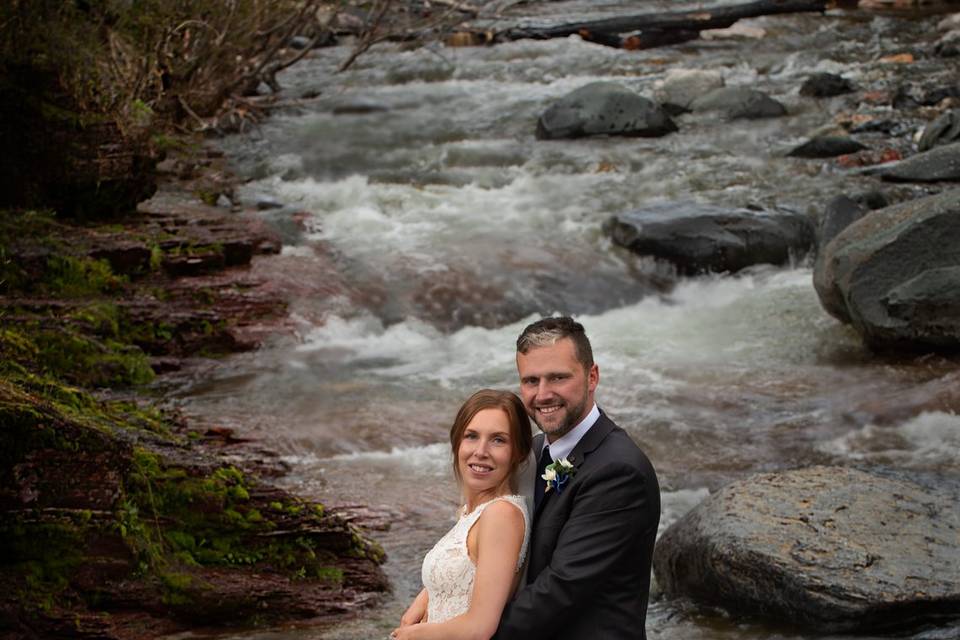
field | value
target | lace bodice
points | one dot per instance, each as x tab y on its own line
448	571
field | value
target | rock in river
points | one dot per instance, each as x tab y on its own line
739	102
697	238
826	548
939	163
826	147
894	274
825	85
603	108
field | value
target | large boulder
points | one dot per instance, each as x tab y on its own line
698	238
603	108
941	163
739	102
894	273
826	548
842	211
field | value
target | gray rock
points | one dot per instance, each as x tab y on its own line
943	130
825	85
874	274
299	42
839	214
359	106
948	46
699	238
739	102
939	163
931	299
826	147
829	549
680	87
603	108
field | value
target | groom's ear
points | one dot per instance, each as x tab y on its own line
593	377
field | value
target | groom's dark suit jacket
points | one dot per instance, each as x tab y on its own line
591	546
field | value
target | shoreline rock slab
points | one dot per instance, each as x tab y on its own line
824	548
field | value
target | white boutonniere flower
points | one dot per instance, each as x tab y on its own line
557	474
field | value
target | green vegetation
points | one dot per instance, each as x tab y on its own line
210	520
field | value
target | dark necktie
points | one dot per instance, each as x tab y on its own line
540	487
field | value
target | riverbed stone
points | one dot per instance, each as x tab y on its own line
826	147
739	102
680	87
603	108
938	164
893	274
828	549
825	85
944	129
697	238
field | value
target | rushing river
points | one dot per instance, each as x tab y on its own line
425	226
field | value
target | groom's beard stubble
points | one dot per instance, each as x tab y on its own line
571	417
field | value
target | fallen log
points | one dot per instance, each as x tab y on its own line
658	29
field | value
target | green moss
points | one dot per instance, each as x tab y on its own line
72	277
192	249
146	334
177	588
88	361
171	516
156	257
103	318
329	574
45	554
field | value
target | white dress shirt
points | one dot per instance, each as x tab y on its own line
565	444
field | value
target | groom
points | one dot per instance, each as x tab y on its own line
588	576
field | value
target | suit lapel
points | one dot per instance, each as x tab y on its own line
590	441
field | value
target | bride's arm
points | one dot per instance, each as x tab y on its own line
417	611
499	537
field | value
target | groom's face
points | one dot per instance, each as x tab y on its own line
557	390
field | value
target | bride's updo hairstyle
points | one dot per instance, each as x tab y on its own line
521	438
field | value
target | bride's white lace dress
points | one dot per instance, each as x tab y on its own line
448	572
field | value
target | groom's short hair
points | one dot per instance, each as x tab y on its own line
549	331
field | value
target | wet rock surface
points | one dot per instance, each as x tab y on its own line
940	163
826	85
603	108
140	533
826	147
893	274
828	549
739	102
698	238
122	520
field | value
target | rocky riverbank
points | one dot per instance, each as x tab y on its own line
123	519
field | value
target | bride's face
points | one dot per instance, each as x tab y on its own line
486	453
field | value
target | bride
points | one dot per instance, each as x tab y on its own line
473	570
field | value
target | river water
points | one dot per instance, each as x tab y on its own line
425	226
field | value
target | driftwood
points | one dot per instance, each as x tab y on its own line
658	29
